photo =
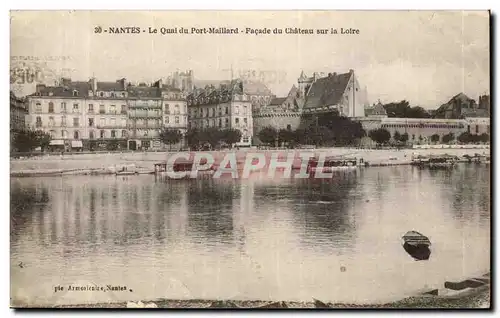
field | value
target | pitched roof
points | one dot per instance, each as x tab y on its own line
65	91
277	101
143	91
379	109
327	90
109	86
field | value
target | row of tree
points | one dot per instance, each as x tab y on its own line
403	109
329	130
383	136
29	140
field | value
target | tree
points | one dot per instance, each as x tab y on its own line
231	136
484	137
402	109
27	140
42	139
343	131
435	138
404	137
448	138
464	137
397	136
380	135
193	138
170	136
285	135
268	135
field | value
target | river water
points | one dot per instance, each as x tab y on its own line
336	240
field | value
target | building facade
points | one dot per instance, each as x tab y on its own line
18	113
223	107
280	113
341	93
92	115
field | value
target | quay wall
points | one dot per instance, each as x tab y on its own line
146	160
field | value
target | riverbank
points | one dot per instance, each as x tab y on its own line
477	297
88	164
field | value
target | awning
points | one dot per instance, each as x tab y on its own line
57	143
76	144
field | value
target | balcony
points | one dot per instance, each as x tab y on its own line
109	126
145	115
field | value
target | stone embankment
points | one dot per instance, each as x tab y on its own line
95	164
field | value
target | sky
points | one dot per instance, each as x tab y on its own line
425	57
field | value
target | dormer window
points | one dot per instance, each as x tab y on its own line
113	95
101	94
51	93
75	93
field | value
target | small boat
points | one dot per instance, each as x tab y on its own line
320	304
126	170
272	305
332	164
417	245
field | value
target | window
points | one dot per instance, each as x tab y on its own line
237	121
51	122
63	107
124	134
64	134
75	108
167	109
113	95
227	121
91	135
166	120
145	133
112	109
113	134
113	122
237	110
185	109
176	119
51	107
213	112
75	93
477	129
38	121
52	134
101	94
76	122
124	122
177	110
102	122
245	110
38	108
103	134
245	121
91	108
63	121
288	127
102	109
76	134
220	123
227	110
124	109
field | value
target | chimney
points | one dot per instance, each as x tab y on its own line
65	81
351	71
40	87
93	84
123	81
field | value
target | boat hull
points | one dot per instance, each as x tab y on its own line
420	252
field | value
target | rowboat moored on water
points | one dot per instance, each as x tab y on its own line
332	164
417	245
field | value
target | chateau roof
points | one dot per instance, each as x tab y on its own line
327	91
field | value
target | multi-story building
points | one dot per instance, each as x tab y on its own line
152	108
92	115
224	107
18	113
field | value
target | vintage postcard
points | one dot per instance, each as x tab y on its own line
250	159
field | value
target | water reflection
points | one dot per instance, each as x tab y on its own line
259	238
